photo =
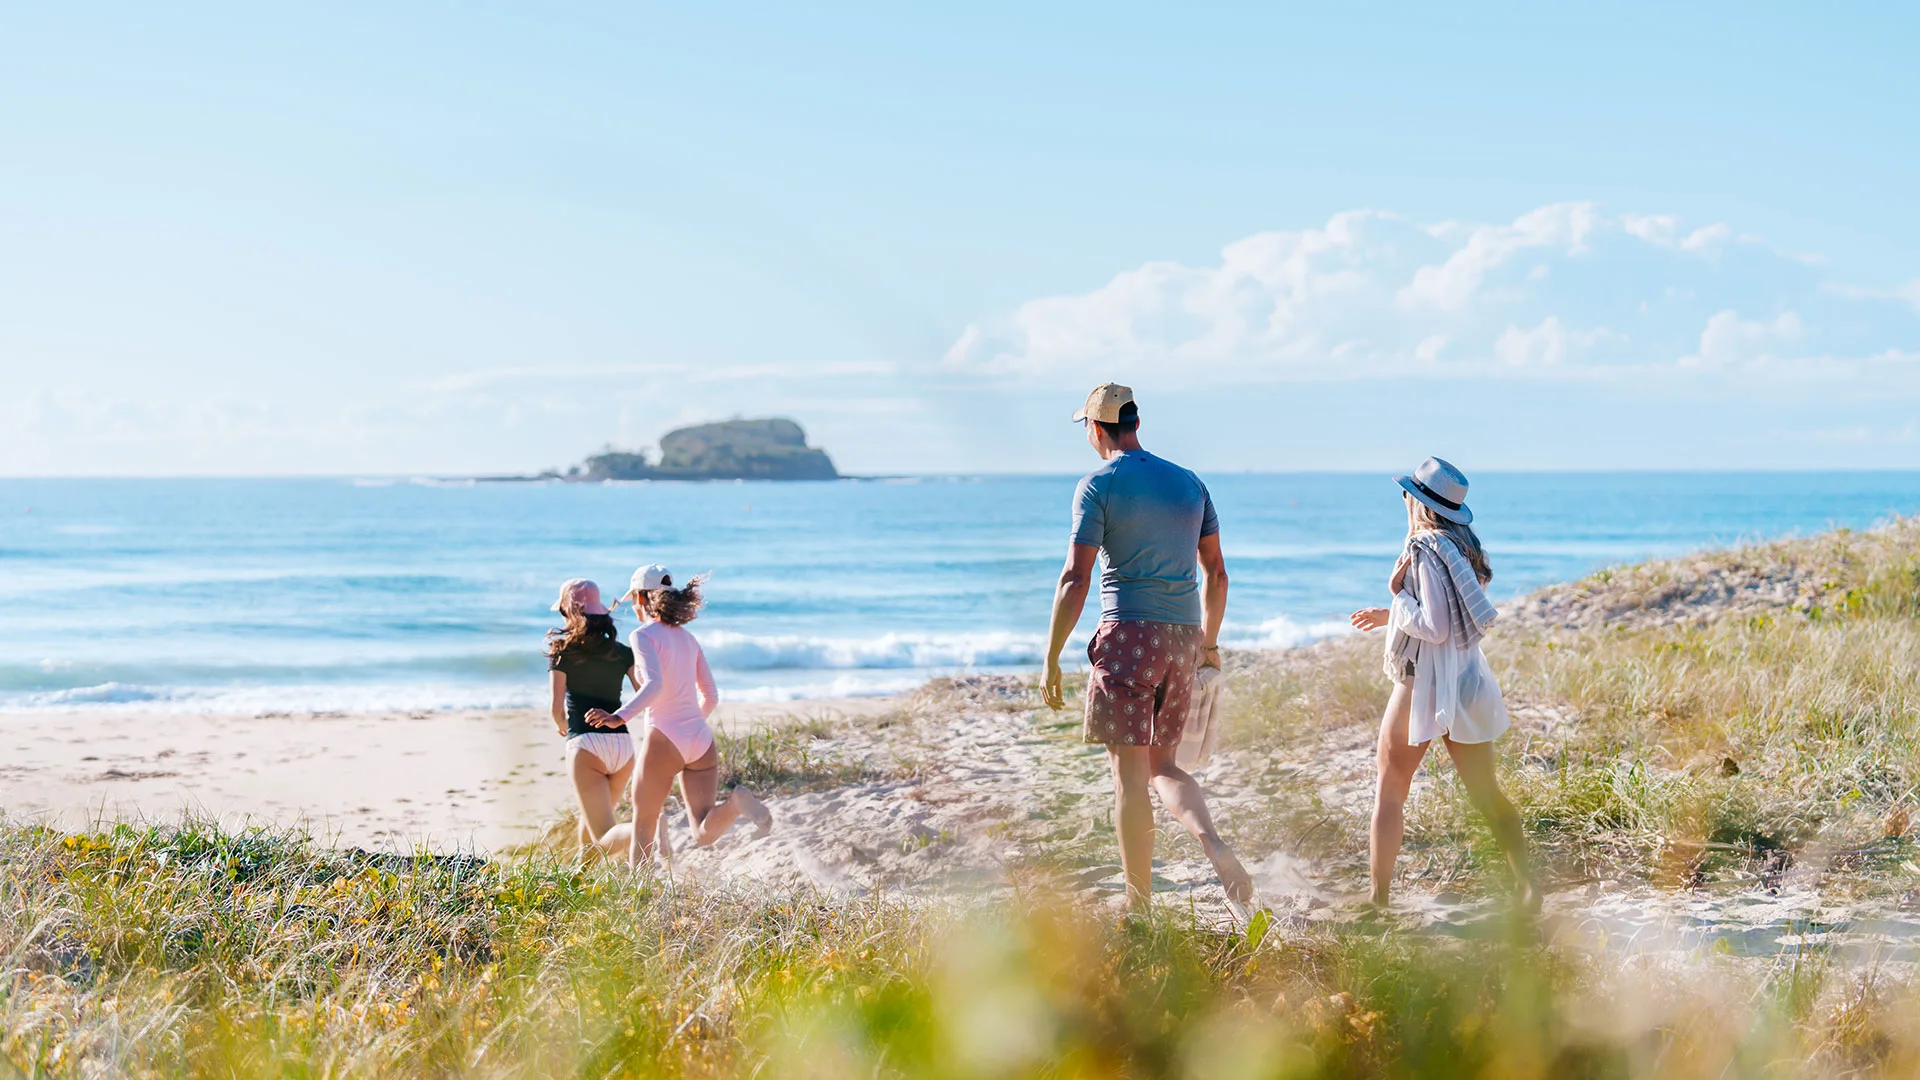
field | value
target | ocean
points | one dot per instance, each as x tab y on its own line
331	594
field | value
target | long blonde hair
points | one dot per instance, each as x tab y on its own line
1463	535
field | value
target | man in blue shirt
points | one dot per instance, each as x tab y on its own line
1163	594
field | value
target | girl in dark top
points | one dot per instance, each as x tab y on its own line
588	664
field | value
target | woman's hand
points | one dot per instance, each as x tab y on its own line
1370	618
1050	691
1400	569
601	718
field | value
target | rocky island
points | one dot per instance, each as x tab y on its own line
773	448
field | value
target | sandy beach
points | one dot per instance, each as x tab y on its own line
467	779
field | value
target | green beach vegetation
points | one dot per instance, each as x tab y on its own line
1730	722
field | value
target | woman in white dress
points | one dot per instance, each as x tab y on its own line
1442	686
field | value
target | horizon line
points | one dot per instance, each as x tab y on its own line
960	474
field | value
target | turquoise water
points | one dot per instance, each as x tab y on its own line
338	593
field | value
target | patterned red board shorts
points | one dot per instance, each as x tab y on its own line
1140	683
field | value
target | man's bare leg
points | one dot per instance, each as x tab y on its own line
1133	819
1180	793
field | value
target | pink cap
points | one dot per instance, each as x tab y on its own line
580	595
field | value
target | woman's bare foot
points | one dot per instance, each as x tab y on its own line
755	811
663	845
1233	877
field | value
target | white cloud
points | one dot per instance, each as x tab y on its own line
1550	343
1908	294
1729	339
1664	230
1563	291
464	381
1706	238
1451	285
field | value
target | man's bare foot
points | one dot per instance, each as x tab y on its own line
755	810
1233	877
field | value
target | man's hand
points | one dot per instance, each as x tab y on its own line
1400	569
1055	698
1371	618
601	718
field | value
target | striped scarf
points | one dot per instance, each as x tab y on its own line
1468	609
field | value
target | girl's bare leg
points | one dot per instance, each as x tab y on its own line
1180	793
614	841
700	787
1397	764
659	764
1474	763
597	790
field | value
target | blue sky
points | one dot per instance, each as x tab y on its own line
451	239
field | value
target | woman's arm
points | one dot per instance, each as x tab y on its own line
703	675
1427	621
560	700
1373	618
647	662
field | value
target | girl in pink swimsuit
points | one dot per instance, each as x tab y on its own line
676	696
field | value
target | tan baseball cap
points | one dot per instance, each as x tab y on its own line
1104	403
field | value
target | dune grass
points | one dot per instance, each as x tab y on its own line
186	951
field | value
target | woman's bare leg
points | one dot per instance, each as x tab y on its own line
1474	763
614	841
1180	793
659	764
590	787
700	787
1397	763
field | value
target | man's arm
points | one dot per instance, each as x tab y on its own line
1069	598
1213	597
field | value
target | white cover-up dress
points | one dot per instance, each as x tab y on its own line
1441	661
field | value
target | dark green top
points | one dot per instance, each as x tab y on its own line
594	681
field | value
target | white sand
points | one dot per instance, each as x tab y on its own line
475	780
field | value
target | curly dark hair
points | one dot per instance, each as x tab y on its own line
584	635
676	607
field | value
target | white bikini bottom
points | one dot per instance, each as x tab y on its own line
613	748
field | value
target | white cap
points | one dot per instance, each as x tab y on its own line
649	578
